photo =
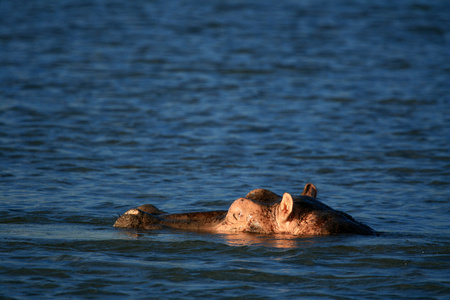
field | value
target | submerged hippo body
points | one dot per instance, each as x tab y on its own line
261	211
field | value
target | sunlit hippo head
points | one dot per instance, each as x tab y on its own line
246	215
301	216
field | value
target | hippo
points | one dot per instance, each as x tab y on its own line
260	211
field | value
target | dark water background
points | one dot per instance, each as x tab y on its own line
188	105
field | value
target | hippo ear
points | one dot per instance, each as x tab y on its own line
310	190
286	207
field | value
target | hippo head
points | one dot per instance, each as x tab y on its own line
302	216
246	215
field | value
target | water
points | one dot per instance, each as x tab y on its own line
188	105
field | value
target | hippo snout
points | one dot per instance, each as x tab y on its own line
136	218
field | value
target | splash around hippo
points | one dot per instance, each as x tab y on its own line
261	211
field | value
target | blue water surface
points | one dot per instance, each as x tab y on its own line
188	105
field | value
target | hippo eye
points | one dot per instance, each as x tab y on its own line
237	217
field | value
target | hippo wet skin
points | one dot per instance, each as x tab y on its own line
261	211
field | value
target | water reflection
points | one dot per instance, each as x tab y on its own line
275	241
231	239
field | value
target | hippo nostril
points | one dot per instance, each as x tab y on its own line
132	212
